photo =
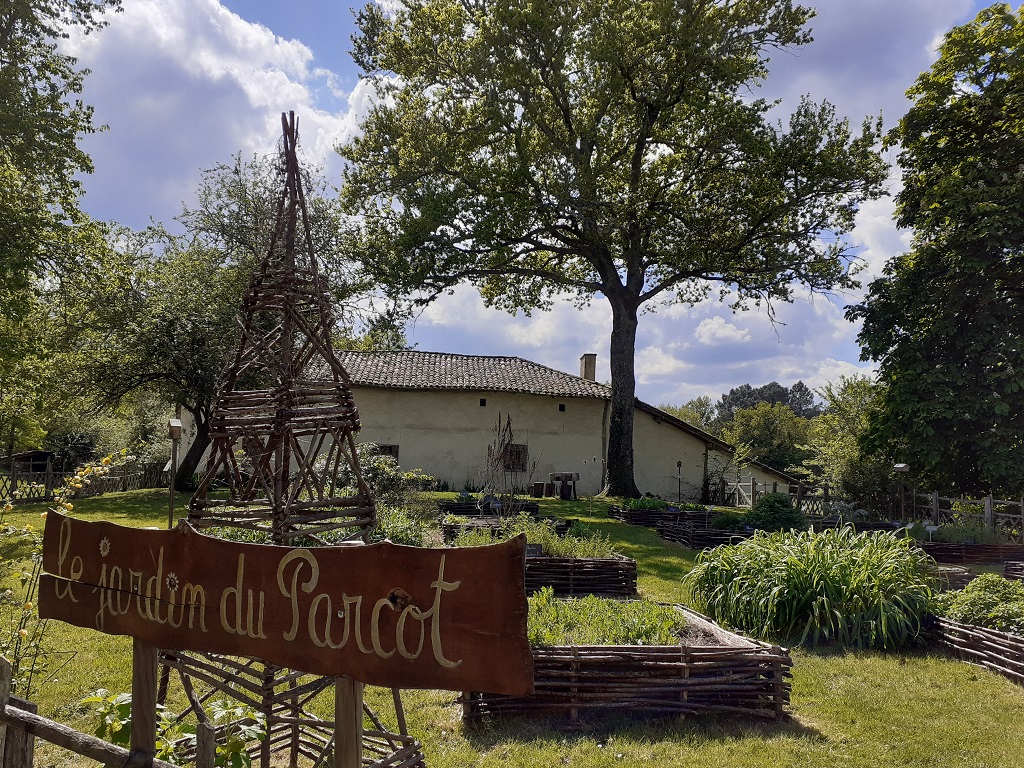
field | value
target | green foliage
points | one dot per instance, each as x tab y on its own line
775	512
729	521
594	620
617	152
645	502
865	590
836	457
400	526
698	412
943	321
387	481
43	233
239	727
580	541
772	434
797	398
987	601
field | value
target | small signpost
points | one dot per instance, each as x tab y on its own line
382	614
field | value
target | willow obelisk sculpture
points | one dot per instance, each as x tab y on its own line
279	441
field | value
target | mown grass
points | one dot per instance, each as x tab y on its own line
849	709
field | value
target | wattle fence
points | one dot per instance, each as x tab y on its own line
20	486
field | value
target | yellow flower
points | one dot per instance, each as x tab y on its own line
69	506
27	607
23	632
105	461
28	527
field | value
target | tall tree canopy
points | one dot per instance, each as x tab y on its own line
599	147
42	231
770	433
944	321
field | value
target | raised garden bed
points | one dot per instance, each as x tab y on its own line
452	530
474	509
572	576
720	672
973	553
1014	569
954	577
698	538
999	651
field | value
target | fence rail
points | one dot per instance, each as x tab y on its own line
28	487
1004	518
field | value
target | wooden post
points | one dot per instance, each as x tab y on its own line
753	492
935	507
799	496
48	481
348	723
775	486
206	745
990	517
144	685
6	673
396	695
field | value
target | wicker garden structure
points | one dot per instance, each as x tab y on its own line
280	441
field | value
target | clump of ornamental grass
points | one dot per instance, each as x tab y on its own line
866	590
595	620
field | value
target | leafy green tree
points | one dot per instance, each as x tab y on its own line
699	412
944	320
612	148
772	434
43	233
798	398
836	457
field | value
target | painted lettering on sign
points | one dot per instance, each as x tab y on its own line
384	614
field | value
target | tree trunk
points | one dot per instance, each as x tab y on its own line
619	480
190	463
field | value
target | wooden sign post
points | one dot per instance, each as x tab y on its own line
382	614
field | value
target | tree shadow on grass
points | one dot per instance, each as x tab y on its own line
599	729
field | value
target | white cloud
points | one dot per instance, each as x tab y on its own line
716	331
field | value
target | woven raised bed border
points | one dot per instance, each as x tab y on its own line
740	676
470	509
1014	569
568	576
973	553
452	530
999	651
698	538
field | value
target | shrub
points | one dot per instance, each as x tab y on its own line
775	512
594	620
729	521
869	589
988	601
400	526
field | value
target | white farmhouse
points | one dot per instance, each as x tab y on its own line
438	412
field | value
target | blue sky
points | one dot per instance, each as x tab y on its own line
185	84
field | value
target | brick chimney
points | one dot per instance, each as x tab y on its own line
588	366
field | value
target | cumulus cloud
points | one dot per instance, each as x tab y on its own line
715	331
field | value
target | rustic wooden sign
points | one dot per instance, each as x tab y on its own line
383	614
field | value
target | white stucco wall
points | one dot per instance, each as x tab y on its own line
446	433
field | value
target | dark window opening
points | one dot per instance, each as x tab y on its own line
515	458
561	407
483	401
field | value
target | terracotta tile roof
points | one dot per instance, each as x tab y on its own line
440	370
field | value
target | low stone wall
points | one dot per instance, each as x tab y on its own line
726	673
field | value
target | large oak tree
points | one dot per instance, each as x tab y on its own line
609	148
944	321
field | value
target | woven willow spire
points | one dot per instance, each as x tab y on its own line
284	445
281	441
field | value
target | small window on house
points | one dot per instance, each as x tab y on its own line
561	407
483	401
516	457
388	450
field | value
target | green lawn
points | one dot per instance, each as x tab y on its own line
855	709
